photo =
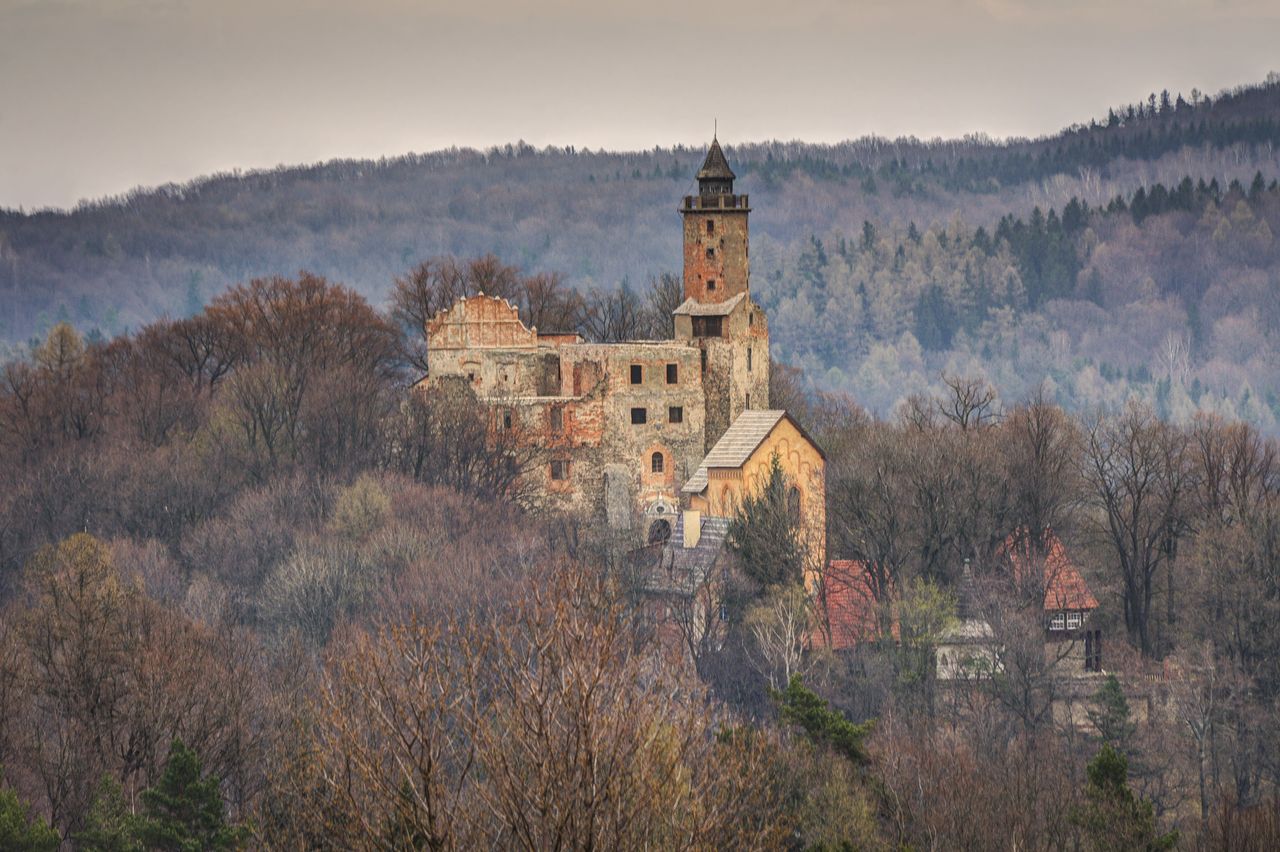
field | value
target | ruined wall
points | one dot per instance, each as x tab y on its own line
736	374
716	261
681	444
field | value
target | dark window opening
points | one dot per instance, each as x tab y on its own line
675	414
711	285
751	318
637	374
657	463
557	419
471	377
748	359
704	357
659	531
639	416
673	374
711	253
707	327
559	470
711	226
748	405
506	420
1093	650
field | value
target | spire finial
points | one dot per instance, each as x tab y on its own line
715	129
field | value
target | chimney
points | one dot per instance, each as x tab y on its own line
692	527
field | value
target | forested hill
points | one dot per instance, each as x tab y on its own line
883	263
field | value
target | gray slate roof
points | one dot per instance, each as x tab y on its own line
715	166
736	445
694	308
673	568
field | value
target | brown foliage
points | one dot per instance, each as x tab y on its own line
543	728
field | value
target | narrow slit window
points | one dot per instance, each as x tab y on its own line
506	420
748	359
711	226
639	416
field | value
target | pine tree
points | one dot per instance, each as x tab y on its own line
765	532
110	827
184	811
20	829
868	235
800	706
1112	817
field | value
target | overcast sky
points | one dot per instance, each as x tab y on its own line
98	96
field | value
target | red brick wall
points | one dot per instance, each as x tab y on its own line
728	266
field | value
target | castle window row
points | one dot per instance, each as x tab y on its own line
640	415
637	374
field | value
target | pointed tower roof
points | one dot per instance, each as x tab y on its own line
715	166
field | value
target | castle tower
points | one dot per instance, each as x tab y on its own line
715	234
718	315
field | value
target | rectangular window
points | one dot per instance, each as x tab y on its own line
748	359
675	414
711	285
506	419
557	418
673	374
707	326
1073	620
711	226
639	416
637	374
559	470
1058	622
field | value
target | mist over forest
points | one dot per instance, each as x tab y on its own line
1131	255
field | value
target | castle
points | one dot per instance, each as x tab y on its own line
631	430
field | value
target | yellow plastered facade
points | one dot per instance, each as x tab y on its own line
805	469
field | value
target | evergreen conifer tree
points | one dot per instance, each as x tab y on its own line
20	829
110	826
1112	817
184	811
765	532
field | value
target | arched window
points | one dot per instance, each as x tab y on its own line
657	463
659	531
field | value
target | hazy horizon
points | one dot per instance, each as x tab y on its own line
97	98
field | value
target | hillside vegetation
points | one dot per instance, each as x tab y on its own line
883	263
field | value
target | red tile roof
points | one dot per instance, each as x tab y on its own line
1064	587
851	606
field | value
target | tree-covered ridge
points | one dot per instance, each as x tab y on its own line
1165	293
598	218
